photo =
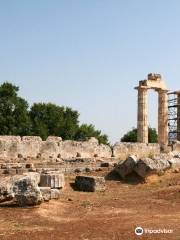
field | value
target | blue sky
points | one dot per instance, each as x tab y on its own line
90	54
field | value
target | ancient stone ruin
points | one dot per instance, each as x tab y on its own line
33	171
154	82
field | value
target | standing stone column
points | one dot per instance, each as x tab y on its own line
142	126
163	118
178	116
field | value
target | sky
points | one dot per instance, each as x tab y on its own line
90	54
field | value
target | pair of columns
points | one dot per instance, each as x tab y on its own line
142	128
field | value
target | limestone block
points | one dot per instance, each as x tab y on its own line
9	146
90	183
126	167
122	150
55	194
30	146
27	192
175	162
6	189
86	149
49	149
35	176
21	171
72	149
54	139
10	138
52	180
103	151
32	138
46	193
148	166
93	140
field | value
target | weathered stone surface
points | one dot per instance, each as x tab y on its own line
148	166
93	140
27	192
46	193
21	190
6	189
90	183
49	149
52	180
155	82
35	176
55	194
32	138
122	150
54	139
126	167
32	147
175	162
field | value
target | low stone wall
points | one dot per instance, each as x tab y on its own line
16	148
122	150
32	147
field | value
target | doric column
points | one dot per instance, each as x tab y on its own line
163	118
178	116
142	125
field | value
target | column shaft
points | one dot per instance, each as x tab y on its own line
163	118
142	126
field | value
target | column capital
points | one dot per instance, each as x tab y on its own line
162	90
141	88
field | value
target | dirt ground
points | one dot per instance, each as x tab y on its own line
113	214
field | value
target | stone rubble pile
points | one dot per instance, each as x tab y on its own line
90	183
29	189
145	167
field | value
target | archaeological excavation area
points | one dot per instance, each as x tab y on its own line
63	189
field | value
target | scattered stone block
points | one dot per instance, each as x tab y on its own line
21	171
54	139
6	189
126	167
35	176
175	162
46	193
52	180
55	194
148	166
27	192
90	183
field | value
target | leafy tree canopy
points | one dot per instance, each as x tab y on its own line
43	119
86	131
131	136
14	117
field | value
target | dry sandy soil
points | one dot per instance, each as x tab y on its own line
112	214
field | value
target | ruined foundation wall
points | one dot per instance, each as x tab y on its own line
123	150
32	147
13	148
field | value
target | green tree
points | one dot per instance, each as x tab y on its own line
152	135
43	119
86	131
14	118
50	119
71	124
131	136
